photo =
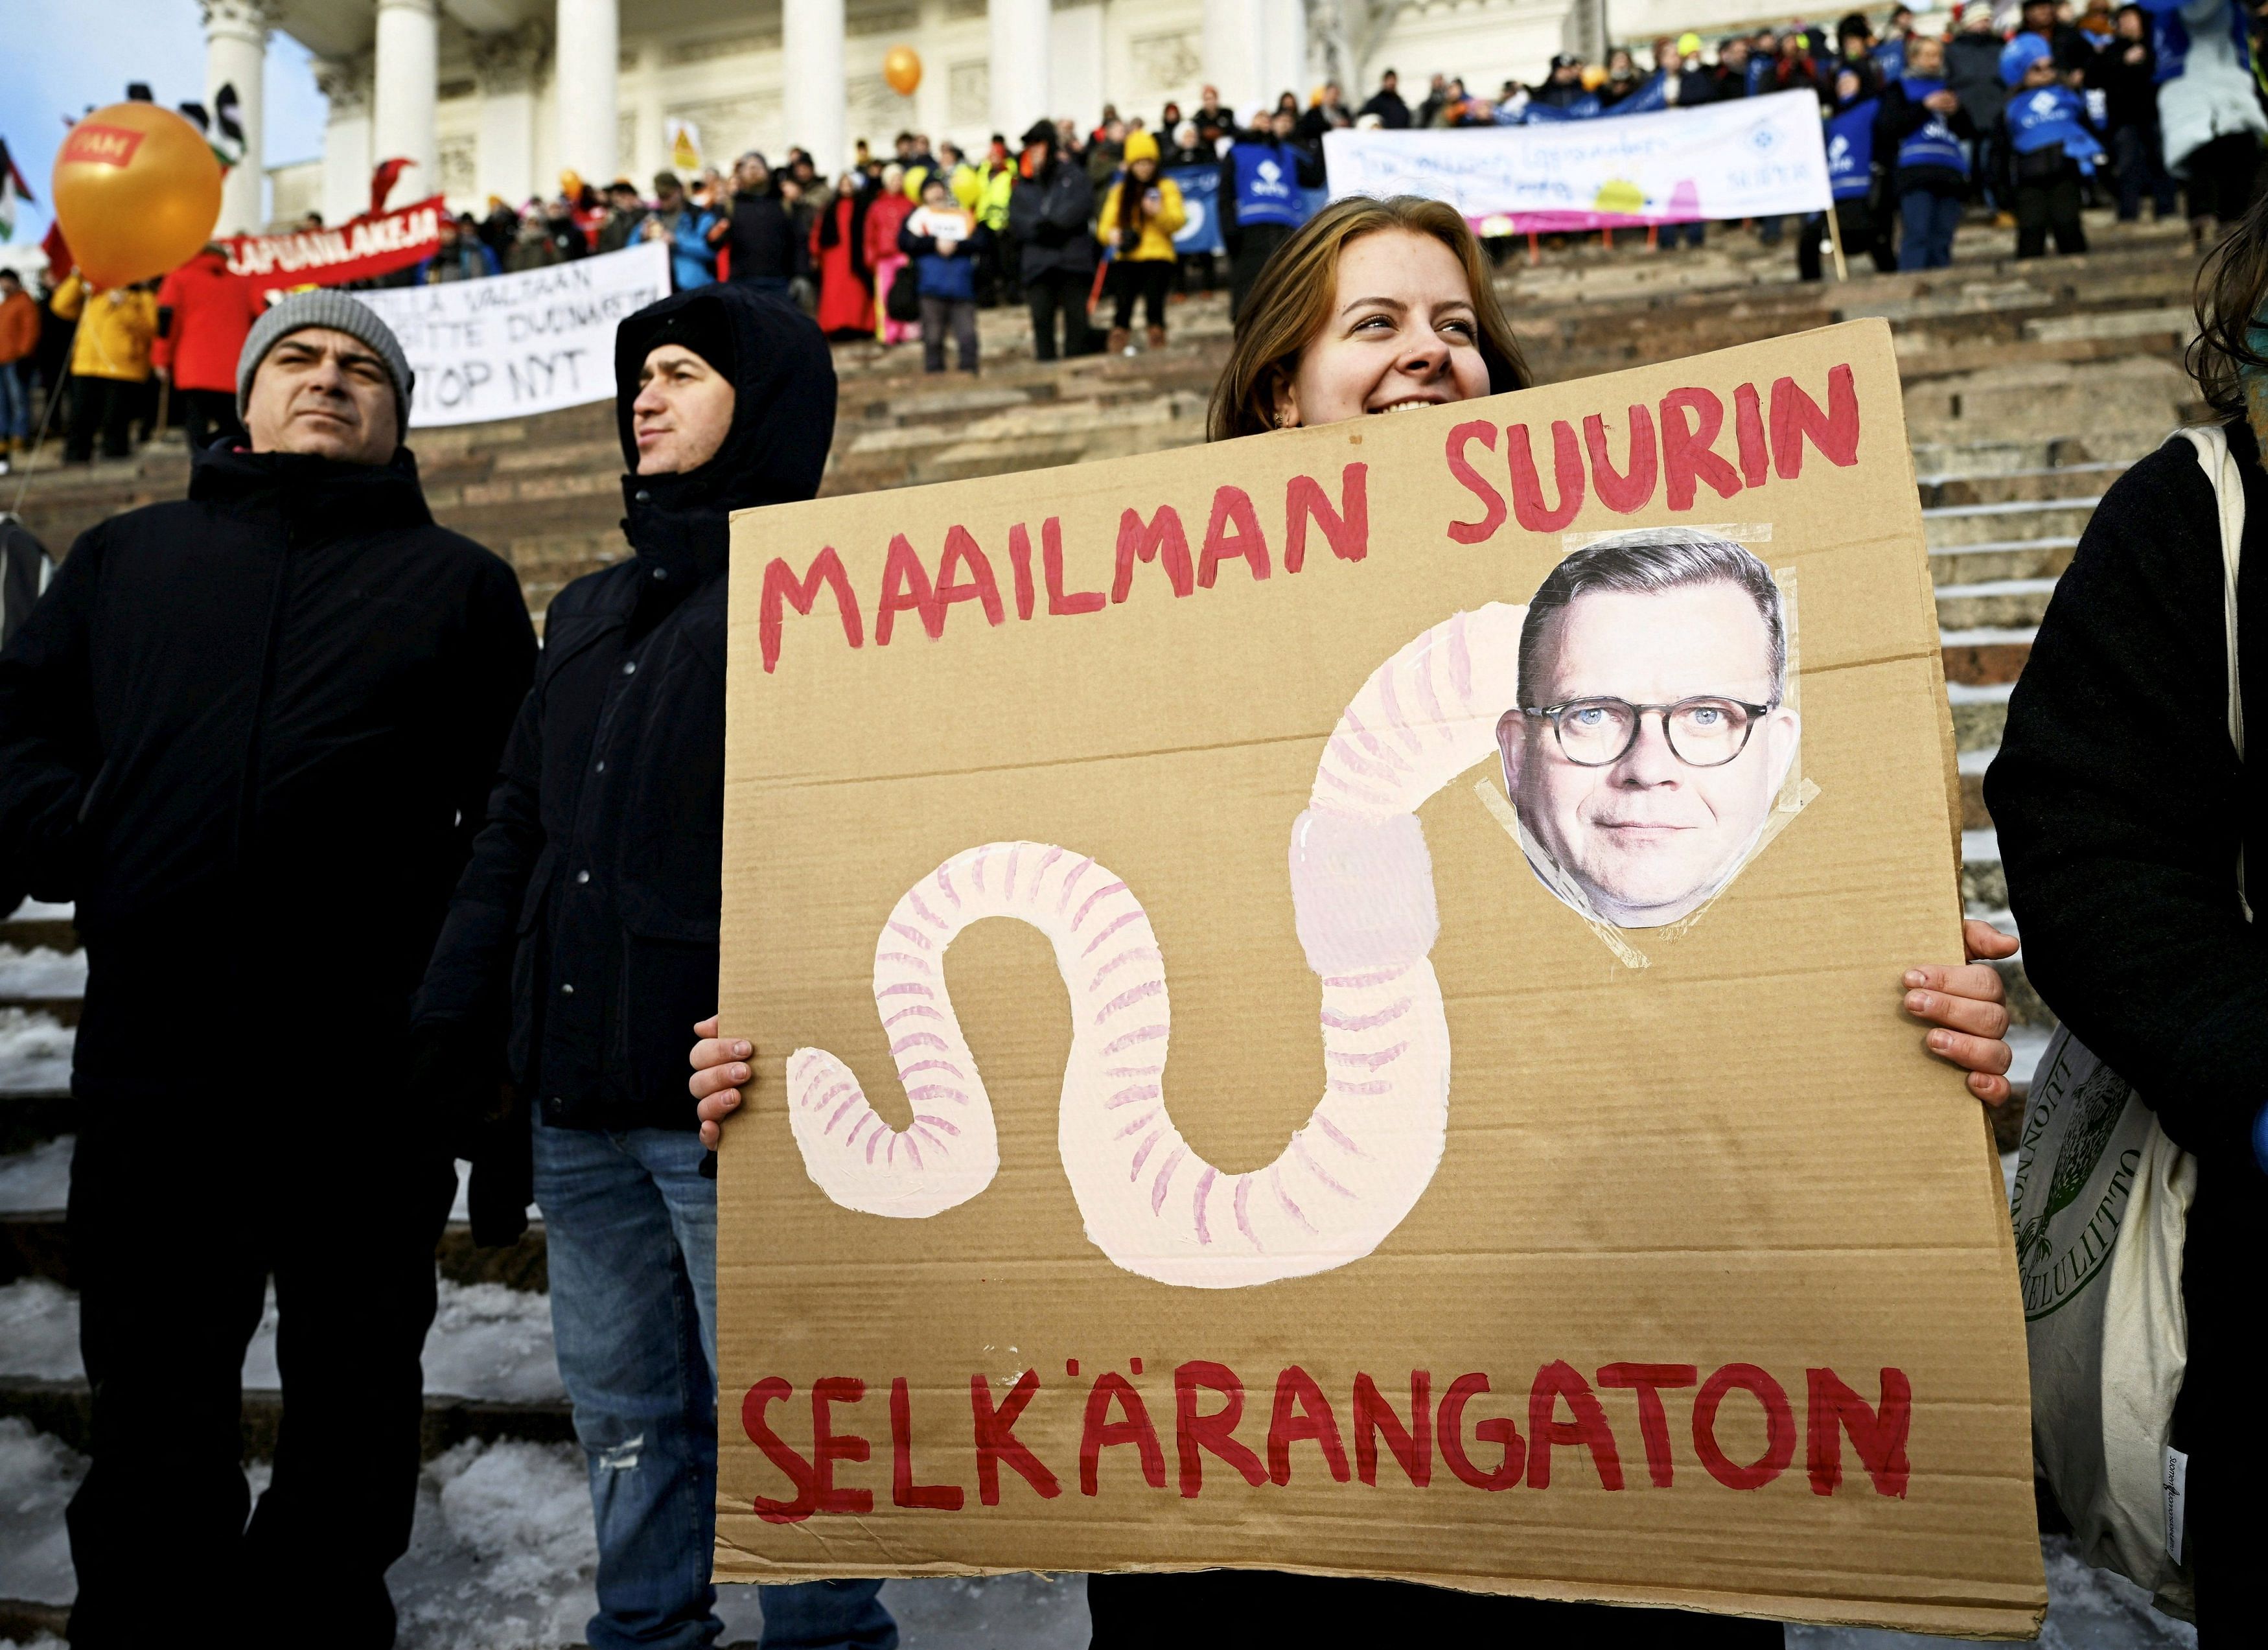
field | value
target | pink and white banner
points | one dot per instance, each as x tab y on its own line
1752	158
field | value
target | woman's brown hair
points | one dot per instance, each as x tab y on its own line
1291	299
2232	286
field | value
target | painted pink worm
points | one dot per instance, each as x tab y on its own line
1362	891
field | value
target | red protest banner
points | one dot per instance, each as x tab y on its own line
356	250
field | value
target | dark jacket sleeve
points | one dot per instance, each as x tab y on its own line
1225	202
49	749
2119	801
467	983
502	665
916	246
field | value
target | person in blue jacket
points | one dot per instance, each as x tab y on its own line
1852	178
2045	146
1923	131
692	233
947	244
1262	178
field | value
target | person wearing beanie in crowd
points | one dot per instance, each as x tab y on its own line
1140	217
1386	103
1921	133
251	733
885	217
582	945
1048	210
204	314
2045	146
948	248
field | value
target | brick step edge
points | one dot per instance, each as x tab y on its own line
64	1411
36	1245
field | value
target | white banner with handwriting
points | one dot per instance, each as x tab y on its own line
515	344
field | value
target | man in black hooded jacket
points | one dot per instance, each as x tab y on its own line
582	945
250	734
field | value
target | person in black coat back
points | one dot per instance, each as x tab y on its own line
766	251
2133	833
250	733
582	947
1050	215
1386	103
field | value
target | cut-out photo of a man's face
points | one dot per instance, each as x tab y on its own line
1651	735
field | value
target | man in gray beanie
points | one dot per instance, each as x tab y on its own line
251	732
323	374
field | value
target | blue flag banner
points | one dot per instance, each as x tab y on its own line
1200	188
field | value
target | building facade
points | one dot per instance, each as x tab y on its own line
500	97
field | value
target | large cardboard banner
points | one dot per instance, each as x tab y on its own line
1515	816
1753	158
511	345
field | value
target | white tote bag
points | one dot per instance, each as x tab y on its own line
2101	1208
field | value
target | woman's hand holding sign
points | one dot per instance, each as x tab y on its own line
1969	1010
720	1063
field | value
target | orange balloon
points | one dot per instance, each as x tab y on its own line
901	68
136	191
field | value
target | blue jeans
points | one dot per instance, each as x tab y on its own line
1930	220
15	402
631	1230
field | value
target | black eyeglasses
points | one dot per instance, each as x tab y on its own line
1704	732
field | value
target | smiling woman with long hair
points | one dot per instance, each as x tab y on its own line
1372	304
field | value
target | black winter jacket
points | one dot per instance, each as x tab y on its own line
251	733
582	944
2122	809
762	237
1901	117
1051	217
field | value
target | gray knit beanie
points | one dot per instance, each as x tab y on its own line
339	312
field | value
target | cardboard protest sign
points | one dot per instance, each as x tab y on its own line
1752	158
1634	1248
507	346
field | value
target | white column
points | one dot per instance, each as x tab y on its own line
651	152
235	54
401	123
583	67
1287	49
1021	57
1235	47
811	83
344	82
504	68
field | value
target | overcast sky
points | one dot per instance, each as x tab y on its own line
61	59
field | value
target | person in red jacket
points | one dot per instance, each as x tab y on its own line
203	313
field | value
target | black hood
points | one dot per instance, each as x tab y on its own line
783	413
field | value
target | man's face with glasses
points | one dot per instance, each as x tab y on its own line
1654	746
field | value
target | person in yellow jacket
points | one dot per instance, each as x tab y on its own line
996	183
110	362
1138	220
